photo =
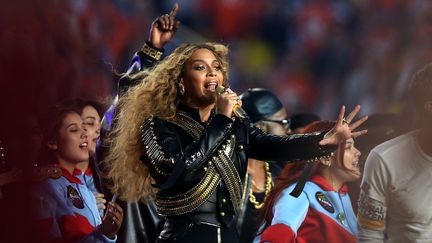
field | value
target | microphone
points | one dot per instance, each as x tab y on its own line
113	199
237	110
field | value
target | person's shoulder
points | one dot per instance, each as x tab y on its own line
44	173
309	188
152	126
47	180
154	120
396	144
285	193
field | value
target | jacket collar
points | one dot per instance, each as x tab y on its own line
88	172
71	177
193	113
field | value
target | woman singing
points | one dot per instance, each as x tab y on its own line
176	140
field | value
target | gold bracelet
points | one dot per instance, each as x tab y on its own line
152	52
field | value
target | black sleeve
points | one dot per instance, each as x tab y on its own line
144	59
267	147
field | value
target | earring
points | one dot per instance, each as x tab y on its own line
181	89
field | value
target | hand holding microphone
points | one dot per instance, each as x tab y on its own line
236	110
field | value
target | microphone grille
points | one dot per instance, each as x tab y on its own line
220	90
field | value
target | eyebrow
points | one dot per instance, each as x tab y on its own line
89	117
200	60
72	124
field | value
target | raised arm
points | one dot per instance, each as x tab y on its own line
161	33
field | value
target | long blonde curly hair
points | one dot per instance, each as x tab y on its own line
156	95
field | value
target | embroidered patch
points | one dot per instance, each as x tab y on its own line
371	212
324	202
74	197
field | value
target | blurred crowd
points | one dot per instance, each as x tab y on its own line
314	54
320	53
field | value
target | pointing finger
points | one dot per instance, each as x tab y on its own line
174	11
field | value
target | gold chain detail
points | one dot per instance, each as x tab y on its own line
153	149
192	199
268	187
220	167
188	124
229	173
152	52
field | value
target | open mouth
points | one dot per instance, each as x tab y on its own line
355	163
211	86
83	145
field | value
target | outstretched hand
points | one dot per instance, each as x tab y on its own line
343	129
164	28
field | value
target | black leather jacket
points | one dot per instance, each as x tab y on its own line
190	159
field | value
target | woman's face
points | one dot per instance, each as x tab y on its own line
71	144
91	122
351	170
203	73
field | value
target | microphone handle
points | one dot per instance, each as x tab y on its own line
239	112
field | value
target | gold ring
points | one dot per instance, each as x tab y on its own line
344	121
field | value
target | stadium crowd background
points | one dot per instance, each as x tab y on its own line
316	54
